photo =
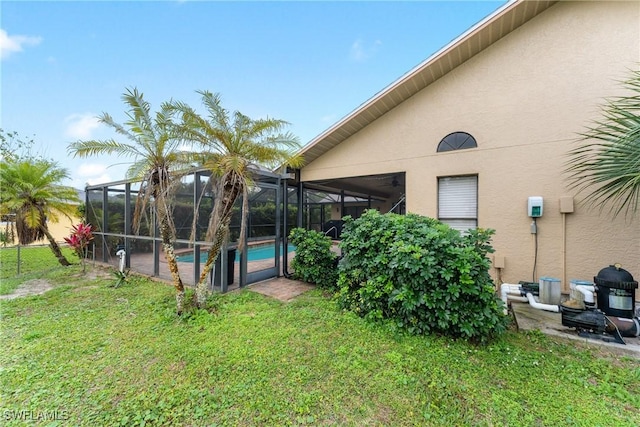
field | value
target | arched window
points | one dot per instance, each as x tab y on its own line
457	141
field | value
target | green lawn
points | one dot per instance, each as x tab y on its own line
95	355
34	260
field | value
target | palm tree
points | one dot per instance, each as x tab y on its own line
606	165
157	164
232	144
31	190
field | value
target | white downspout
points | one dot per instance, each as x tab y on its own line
535	304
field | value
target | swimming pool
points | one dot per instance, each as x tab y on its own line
254	253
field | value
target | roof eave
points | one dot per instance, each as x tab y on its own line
473	41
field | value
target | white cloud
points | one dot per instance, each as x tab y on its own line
91	174
361	51
12	44
101	179
91	169
81	126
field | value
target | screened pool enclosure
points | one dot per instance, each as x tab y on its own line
110	209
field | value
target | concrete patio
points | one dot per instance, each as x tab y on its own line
528	318
281	288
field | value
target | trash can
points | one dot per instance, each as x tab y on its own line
231	263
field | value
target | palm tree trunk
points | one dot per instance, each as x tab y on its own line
202	288
231	188
170	255
55	248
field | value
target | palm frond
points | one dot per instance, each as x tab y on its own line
605	166
91	148
216	113
106	119
138	169
230	144
31	190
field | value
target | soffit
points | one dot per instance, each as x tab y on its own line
475	40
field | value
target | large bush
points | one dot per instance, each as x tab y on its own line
314	261
420	273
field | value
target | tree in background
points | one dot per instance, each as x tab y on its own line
15	147
606	164
232	144
32	191
157	163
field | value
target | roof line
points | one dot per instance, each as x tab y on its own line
438	55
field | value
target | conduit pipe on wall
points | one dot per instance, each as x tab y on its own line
564	250
535	304
566	207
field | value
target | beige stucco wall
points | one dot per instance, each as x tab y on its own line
62	228
524	99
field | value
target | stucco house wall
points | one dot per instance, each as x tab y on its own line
59	230
524	99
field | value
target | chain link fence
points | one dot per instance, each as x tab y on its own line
23	260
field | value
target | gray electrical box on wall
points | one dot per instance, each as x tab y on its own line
534	206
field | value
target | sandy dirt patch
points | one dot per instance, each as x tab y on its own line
40	286
30	287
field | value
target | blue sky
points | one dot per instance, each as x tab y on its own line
309	63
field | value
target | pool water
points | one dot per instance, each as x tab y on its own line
255	253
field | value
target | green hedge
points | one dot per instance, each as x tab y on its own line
417	271
314	262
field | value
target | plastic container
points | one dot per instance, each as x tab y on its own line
550	290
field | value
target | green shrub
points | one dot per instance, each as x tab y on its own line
314	262
421	274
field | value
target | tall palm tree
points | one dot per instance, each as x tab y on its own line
606	164
158	164
32	191
232	144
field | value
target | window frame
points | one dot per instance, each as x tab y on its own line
446	146
445	219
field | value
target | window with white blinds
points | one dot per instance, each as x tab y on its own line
458	201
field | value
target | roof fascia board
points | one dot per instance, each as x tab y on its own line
439	55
